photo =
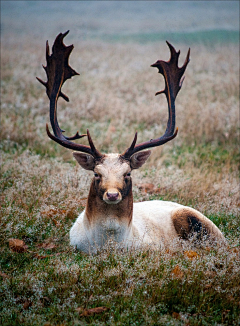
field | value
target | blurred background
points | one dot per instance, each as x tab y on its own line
113	19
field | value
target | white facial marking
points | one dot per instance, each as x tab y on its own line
112	172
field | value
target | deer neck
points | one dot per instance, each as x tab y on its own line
106	221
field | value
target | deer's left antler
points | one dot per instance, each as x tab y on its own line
173	76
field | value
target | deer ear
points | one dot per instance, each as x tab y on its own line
138	159
86	161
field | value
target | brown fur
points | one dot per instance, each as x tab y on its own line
188	222
97	207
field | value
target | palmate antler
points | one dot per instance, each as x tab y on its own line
58	71
173	83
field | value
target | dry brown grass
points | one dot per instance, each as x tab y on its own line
116	91
114	96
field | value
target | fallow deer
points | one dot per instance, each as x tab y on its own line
110	212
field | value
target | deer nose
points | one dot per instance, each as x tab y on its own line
112	196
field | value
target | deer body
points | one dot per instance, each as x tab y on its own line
110	213
152	224
132	225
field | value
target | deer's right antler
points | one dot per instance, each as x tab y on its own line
58	71
173	83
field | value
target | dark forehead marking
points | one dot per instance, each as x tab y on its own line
123	160
100	160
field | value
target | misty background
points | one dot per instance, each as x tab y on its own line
113	19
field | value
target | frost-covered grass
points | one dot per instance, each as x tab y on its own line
137	288
43	190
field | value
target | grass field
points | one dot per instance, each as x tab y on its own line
43	190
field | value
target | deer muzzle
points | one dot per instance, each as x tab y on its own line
112	196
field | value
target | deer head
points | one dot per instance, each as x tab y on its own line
112	172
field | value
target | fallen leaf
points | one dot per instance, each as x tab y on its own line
157	190
4	275
53	212
57	223
27	304
36	255
17	245
208	286
191	254
93	311
147	187
177	272
47	246
176	315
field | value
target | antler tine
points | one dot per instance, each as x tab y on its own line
173	76
58	71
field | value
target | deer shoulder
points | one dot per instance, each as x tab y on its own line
110	213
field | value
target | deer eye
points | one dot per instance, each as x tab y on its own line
128	175
97	176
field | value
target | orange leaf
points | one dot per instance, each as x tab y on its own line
177	272
27	304
4	275
47	246
57	223
147	187
157	190
92	311
36	255
208	286
17	245
176	315
191	254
